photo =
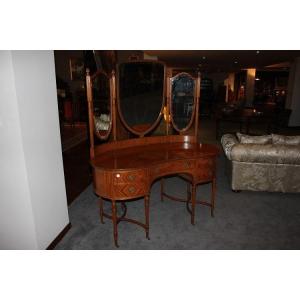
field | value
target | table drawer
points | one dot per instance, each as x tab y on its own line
130	184
206	169
174	167
129	191
123	177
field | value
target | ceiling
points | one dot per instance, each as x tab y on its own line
225	60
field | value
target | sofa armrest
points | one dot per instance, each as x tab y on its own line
228	141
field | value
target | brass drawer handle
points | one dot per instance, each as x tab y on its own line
131	177
131	189
118	175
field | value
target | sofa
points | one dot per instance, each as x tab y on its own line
262	163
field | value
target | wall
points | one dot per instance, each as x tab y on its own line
17	229
34	207
218	79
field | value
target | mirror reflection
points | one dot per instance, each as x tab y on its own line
141	93
182	100
102	104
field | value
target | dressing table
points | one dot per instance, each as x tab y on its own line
124	170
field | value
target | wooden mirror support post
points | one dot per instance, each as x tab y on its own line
125	170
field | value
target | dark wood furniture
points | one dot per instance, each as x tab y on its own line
244	117
125	170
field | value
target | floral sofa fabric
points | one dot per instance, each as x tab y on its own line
257	165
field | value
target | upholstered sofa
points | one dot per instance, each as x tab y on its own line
263	163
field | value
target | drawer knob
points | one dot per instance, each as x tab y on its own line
131	177
118	175
131	189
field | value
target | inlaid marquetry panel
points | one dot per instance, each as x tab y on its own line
130	184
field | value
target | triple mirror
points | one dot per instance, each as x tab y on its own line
141	95
141	99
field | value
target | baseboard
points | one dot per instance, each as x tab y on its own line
59	237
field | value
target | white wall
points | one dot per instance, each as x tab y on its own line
17	228
33	207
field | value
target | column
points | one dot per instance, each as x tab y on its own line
250	84
229	83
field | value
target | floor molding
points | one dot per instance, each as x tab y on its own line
59	237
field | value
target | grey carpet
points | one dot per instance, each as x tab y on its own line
246	220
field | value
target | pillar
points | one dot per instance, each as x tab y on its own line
250	84
229	83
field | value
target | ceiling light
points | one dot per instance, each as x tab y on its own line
203	57
257	78
257	52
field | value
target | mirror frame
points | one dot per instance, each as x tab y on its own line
95	75
190	123
156	122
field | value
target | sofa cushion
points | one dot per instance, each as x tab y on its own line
268	153
259	139
285	140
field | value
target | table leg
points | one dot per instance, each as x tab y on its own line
217	128
193	203
146	199
114	219
247	126
162	182
188	191
101	209
213	194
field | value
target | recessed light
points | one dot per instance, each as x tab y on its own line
203	57
257	52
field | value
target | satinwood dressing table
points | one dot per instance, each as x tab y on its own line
125	169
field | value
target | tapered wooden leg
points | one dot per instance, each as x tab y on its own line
213	195
162	189
188	191
101	209
114	219
193	203
146	199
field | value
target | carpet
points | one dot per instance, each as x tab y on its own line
246	220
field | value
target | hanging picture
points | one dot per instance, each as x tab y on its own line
76	69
